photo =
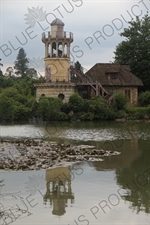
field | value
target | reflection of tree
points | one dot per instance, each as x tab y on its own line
1	185
136	179
58	189
126	147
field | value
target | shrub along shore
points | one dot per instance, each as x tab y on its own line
17	103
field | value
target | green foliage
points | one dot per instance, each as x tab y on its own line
6	109
78	66
135	49
63	116
43	108
98	106
32	73
76	103
65	108
122	114
138	112
6	82
119	101
21	112
87	116
11	110
17	102
1	63
1	73
25	86
49	108
144	98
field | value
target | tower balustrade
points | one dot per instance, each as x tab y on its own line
47	36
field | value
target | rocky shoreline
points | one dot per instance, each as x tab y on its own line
32	154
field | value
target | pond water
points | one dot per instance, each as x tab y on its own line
113	191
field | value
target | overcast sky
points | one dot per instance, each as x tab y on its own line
96	26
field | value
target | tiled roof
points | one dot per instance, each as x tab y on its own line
109	74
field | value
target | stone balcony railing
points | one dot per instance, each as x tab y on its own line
55	35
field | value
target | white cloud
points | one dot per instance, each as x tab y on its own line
85	20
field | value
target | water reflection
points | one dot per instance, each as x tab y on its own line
132	169
136	179
128	171
58	189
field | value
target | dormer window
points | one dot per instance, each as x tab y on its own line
113	75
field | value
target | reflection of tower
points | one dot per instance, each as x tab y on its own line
57	63
58	189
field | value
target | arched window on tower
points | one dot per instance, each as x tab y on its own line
54	49
65	50
60	49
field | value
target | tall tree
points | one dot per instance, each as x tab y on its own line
135	49
32	73
78	66
1	73
21	63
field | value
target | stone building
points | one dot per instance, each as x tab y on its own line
63	79
115	77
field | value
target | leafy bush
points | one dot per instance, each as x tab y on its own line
49	108
100	109
138	112
119	101
87	116
122	114
62	116
144	98
76	103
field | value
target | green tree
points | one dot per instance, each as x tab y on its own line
1	73
78	66
135	49
32	73
7	82
6	109
21	63
144	98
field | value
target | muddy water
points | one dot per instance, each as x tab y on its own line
114	191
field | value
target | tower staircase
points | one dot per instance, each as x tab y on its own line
82	78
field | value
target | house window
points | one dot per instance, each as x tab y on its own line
113	75
128	94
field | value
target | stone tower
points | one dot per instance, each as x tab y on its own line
57	63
